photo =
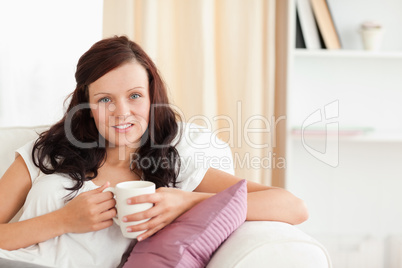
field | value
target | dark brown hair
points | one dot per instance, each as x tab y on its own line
73	146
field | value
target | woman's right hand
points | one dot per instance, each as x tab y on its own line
89	211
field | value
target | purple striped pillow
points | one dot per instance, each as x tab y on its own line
192	238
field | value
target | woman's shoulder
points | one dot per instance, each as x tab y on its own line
200	149
26	149
194	136
26	153
192	128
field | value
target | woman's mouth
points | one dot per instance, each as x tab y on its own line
123	127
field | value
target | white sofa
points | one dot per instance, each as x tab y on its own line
252	245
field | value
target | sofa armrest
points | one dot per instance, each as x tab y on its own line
270	244
13	138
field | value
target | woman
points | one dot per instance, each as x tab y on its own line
118	116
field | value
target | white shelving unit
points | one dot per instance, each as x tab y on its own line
369	137
357	94
348	54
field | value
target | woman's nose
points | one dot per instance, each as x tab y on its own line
121	109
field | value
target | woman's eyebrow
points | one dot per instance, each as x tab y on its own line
138	87
101	93
109	93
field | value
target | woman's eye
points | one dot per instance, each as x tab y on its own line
135	96
104	100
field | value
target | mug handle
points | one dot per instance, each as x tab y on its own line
112	189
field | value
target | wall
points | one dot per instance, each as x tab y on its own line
41	42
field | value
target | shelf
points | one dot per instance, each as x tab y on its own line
362	135
393	136
353	54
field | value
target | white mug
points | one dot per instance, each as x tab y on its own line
122	192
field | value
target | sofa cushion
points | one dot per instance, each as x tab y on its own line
270	244
13	138
192	238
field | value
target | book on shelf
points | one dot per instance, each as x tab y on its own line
300	43
325	24
308	24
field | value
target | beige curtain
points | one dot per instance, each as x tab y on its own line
218	60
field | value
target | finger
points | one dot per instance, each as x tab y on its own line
107	215
103	225
146	214
148	225
150	232
145	198
103	187
99	197
98	190
107	205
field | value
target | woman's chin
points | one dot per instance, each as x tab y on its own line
125	142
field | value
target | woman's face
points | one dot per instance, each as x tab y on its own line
120	104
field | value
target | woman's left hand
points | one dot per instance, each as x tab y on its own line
169	203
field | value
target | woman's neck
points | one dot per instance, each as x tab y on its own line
119	156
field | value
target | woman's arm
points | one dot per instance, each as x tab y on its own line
89	211
263	203
14	187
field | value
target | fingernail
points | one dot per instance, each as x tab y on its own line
128	201
128	229
139	238
125	219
